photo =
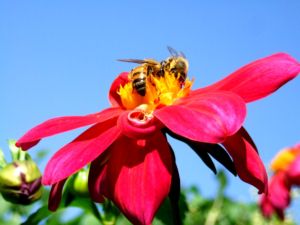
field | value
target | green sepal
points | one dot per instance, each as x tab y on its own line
2	159
10	175
18	197
17	153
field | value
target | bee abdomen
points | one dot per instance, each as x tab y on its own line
139	84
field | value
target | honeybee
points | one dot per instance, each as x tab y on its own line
142	73
176	65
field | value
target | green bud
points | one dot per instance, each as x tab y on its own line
20	182
110	213
79	183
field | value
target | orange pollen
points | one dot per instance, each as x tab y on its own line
160	91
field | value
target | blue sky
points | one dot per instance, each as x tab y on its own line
59	58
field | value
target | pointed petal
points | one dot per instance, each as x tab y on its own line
244	133
199	148
138	176
259	78
210	117
81	151
248	165
114	97
174	193
55	195
62	124
219	154
97	171
204	156
215	150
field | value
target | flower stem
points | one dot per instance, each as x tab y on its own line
214	212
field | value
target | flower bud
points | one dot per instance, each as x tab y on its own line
20	182
79	183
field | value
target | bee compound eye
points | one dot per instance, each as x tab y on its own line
181	65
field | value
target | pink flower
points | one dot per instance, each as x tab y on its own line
286	170
132	163
278	197
293	172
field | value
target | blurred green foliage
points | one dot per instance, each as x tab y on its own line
78	209
195	209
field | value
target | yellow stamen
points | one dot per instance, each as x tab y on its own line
159	91
284	158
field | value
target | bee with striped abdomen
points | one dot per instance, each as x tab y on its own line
142	73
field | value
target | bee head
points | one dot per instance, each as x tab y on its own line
179	64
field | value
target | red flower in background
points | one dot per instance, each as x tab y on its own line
278	197
286	168
132	163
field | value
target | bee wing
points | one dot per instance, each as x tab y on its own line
140	61
172	51
182	55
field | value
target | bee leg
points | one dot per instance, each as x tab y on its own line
160	73
150	78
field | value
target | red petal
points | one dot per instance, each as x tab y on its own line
279	191
268	209
294	172
62	124
55	195
248	164
97	171
138	177
244	133
78	153
114	97
266	206
174	194
209	117
259	78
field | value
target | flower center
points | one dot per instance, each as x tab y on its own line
160	91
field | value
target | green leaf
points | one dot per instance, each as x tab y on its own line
35	218
164	213
69	199
41	154
87	205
